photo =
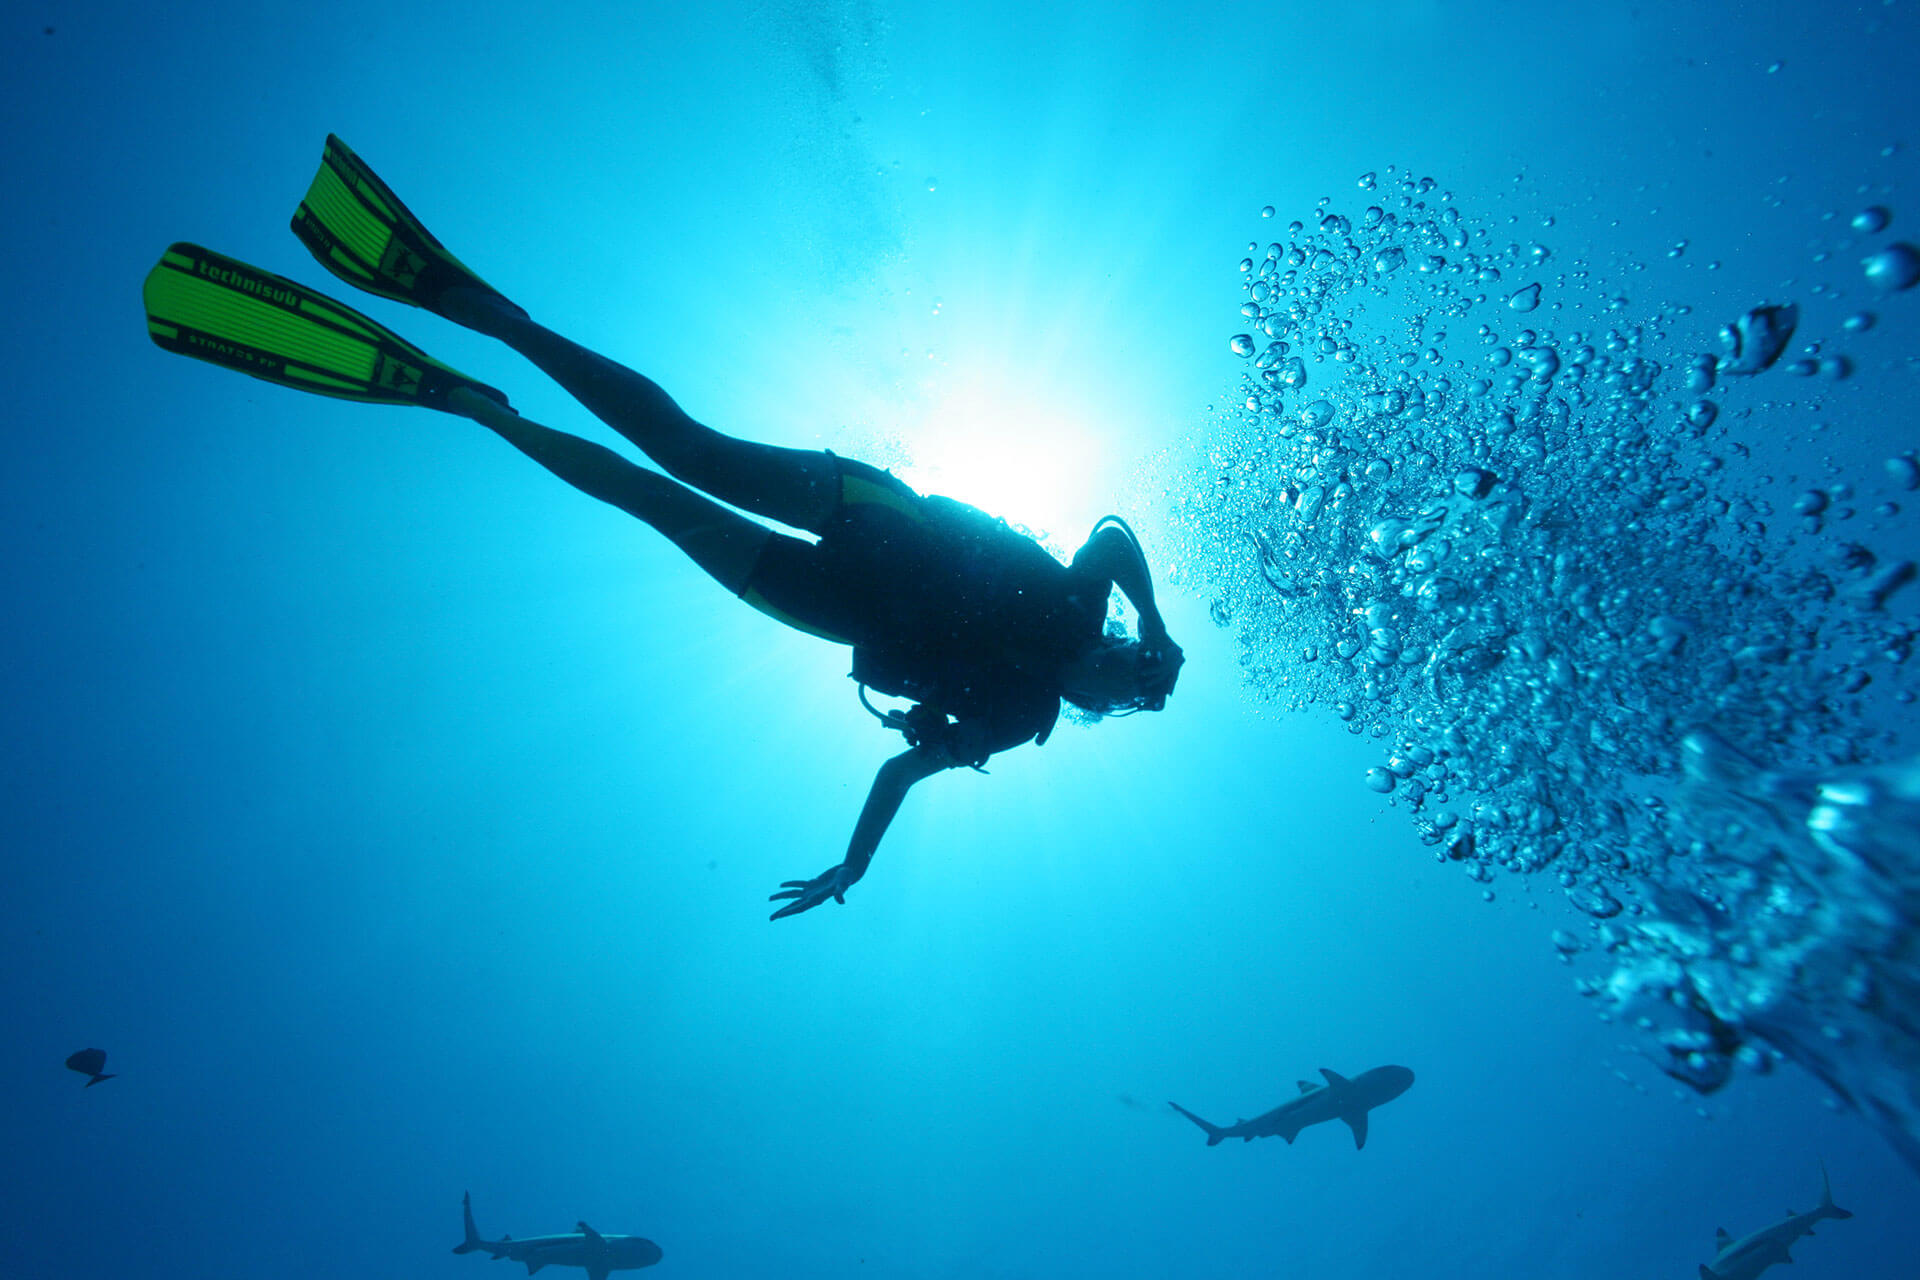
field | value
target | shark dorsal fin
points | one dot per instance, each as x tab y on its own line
588	1232
1334	1078
1306	1086
1721	1239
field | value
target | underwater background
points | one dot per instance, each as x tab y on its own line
401	822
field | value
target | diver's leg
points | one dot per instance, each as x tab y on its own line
797	487
724	543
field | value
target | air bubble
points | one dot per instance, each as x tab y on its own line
1874	218
1522	583
1595	901
1567	944
1756	339
1894	268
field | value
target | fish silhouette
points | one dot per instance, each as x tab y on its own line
88	1063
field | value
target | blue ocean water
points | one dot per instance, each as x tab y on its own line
400	822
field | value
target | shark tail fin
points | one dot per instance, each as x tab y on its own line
473	1240
1827	1206
1214	1131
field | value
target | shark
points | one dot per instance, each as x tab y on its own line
1338	1099
1747	1257
581	1247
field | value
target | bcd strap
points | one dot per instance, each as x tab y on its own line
920	725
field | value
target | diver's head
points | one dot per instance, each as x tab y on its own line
1118	676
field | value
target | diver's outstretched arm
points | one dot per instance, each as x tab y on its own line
890	786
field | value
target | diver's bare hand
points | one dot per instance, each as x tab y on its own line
808	894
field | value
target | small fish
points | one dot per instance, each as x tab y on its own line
88	1063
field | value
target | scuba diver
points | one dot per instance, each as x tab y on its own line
943	605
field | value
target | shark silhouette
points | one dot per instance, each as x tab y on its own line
1747	1257
582	1247
1338	1099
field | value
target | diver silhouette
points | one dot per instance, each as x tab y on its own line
975	623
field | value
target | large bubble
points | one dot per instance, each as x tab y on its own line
1894	268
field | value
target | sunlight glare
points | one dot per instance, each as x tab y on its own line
1015	456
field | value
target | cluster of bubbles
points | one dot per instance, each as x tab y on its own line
1487	515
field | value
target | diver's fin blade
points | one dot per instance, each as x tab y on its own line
218	309
357	228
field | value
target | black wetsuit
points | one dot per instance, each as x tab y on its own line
942	604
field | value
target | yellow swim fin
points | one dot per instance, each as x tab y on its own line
362	232
218	309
